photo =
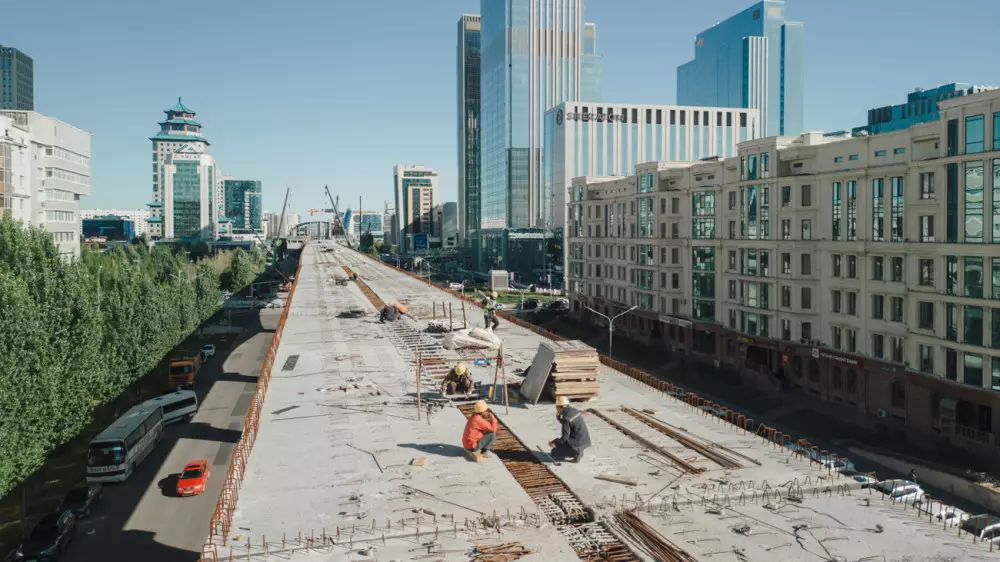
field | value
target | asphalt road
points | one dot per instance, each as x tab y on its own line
140	519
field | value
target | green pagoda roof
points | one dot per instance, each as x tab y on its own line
179	108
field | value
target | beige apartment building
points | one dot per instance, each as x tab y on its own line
861	270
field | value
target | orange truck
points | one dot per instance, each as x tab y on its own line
181	371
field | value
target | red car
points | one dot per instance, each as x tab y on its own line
192	480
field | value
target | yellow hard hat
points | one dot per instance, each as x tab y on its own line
562	401
494	294
460	369
480	406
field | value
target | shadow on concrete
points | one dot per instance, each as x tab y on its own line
142	545
236	377
439	449
205	432
168	485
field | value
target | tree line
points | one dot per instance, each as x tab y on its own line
75	335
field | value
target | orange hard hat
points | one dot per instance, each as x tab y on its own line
400	308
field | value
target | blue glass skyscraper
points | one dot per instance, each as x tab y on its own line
535	55
753	59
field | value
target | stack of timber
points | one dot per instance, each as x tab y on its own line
563	368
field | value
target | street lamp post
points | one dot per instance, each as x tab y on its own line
611	324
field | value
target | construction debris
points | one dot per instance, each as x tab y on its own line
420	461
500	553
437	327
617	479
563	368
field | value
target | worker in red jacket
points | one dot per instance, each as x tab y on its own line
480	431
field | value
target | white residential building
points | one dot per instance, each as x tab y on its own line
15	169
59	162
416	195
138	217
863	271
609	139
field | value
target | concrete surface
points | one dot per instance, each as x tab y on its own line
138	519
332	459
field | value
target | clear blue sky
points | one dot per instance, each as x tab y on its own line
307	93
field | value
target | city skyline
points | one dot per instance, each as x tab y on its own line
93	98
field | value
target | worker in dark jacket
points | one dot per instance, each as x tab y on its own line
457	381
391	312
575	437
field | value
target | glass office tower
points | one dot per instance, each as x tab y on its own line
535	55
17	80
468	125
754	60
242	205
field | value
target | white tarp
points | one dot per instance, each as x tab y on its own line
476	338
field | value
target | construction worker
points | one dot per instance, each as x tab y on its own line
457	381
480	431
391	312
575	437
490	311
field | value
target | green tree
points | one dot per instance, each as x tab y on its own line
75	335
241	270
366	241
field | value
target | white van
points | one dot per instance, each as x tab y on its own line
177	406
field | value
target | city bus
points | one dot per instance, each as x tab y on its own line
114	454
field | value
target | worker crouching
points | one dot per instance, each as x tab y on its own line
575	436
457	381
480	431
391	312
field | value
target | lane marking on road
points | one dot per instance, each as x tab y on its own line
225	449
290	363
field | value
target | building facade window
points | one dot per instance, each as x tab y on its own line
878	307
974	133
852	266
973	370
806	229
925	315
878	268
896	269
925	358
878	209
836	258
951	201
852	303
927	228
996	200
835	223
974	277
951	322
926	267
895	309
927	185
852	210
896	201
951	275
974	201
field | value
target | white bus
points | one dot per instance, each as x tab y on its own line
114	454
176	406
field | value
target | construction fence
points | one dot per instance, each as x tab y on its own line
222	518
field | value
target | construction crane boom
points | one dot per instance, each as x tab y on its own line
336	213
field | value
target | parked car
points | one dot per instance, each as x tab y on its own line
48	537
558	304
984	526
81	499
276	303
862	478
208	350
887	486
952	516
499	306
908	494
529	304
193	478
455	286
